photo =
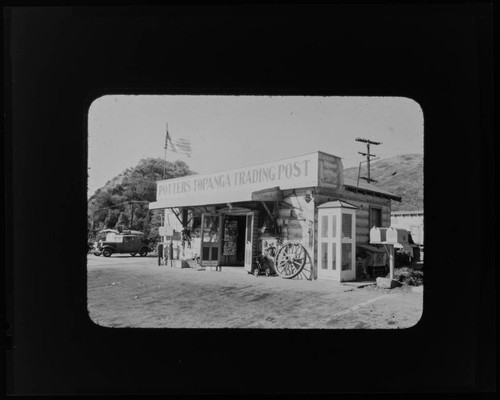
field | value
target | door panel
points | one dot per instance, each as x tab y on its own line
210	239
249	242
348	247
328	233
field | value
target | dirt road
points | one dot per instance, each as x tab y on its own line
126	291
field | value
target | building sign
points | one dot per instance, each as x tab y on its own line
237	184
165	231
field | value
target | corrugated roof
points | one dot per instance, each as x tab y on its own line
370	188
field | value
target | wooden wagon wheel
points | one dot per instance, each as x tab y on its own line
290	260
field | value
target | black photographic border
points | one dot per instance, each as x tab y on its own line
59	59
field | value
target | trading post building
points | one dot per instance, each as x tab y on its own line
300	213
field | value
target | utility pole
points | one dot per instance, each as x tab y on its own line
131	214
368	157
166	146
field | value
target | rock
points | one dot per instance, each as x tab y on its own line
387	283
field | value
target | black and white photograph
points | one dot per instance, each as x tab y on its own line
309	210
249	199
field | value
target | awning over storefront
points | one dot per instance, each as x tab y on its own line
271	194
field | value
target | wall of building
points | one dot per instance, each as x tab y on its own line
330	171
300	227
296	224
302	223
414	223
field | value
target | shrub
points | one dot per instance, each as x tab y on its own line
409	276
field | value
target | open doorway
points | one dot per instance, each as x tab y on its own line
233	240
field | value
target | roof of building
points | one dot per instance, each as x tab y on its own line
337	204
367	187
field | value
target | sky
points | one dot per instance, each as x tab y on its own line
229	132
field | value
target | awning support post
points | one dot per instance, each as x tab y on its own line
267	210
177	216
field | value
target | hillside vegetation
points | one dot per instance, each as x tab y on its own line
401	175
123	202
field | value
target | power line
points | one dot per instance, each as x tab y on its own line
368	157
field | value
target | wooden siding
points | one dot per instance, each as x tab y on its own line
330	171
300	228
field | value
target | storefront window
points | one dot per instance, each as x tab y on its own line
211	229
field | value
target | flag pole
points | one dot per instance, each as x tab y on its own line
166	144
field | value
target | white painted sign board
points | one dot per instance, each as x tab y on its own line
237	184
166	231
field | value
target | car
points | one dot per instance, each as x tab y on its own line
132	244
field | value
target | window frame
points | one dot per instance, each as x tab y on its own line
370	214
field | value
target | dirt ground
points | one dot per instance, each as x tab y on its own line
125	291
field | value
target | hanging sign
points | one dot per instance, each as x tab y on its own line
166	231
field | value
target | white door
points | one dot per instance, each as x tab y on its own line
328	246
210	239
249	242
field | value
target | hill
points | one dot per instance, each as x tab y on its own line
122	202
402	175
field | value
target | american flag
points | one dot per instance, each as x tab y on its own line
180	146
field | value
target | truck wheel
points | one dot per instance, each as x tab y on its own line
97	253
143	252
107	252
290	260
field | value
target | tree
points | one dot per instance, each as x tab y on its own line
111	206
123	222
